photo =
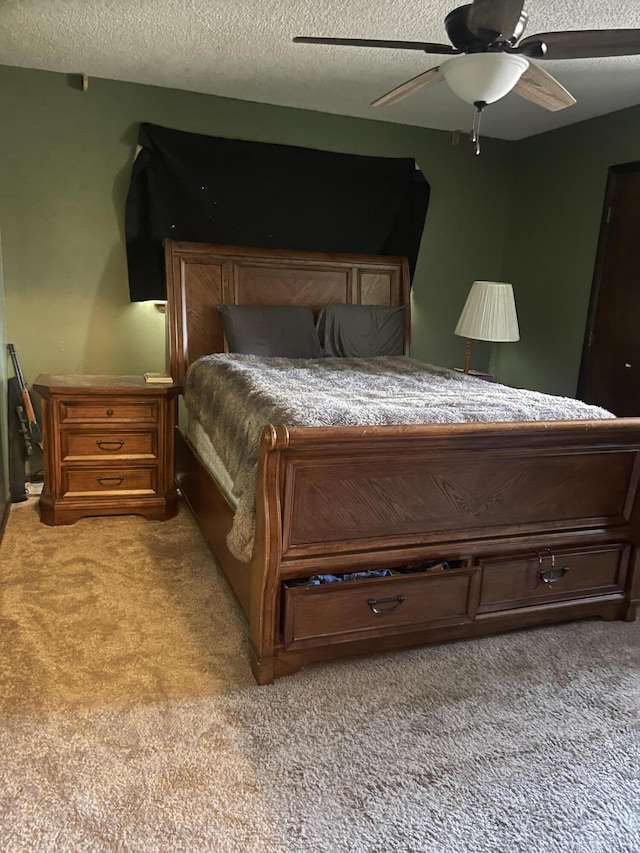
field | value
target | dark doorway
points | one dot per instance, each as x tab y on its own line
610	368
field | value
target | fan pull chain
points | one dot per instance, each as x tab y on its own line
475	132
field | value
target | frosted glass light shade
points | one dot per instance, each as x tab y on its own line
483	77
489	314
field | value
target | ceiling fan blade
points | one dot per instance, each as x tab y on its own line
544	90
494	19
425	46
583	44
427	78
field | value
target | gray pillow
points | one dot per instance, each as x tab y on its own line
271	330
361	331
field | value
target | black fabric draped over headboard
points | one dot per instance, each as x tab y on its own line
197	188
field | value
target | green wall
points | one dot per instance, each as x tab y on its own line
555	214
525	212
65	163
4	450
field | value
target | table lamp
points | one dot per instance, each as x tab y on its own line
489	314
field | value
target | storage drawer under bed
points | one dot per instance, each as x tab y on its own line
544	576
357	609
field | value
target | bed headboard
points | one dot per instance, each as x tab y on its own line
202	275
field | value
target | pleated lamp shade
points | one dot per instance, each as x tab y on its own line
489	314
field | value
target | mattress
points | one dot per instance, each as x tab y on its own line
197	437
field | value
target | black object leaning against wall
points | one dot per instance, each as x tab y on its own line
198	188
17	430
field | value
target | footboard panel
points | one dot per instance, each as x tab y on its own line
439	485
353	504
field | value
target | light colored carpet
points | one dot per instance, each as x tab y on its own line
131	722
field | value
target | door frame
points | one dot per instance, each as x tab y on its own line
613	174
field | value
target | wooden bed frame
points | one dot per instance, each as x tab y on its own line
538	522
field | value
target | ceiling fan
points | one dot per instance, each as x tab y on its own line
491	58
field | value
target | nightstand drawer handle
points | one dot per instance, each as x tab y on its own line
109	412
394	601
109	481
116	444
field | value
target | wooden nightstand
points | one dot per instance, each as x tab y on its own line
108	447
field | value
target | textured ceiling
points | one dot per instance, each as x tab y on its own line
243	49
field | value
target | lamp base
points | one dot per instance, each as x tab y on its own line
477	374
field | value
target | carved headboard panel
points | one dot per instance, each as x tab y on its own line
201	276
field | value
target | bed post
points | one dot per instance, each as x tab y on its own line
633	587
633	595
265	564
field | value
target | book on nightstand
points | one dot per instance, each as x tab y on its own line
158	378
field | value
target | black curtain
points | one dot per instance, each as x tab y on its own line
206	189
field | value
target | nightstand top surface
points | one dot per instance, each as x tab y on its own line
100	383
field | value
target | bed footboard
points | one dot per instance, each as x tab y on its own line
510	525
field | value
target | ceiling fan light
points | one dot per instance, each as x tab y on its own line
484	77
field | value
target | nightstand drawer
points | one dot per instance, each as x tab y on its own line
76	445
109	411
109	481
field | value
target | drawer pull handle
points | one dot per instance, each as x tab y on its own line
109	481
114	445
109	413
395	601
551	575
